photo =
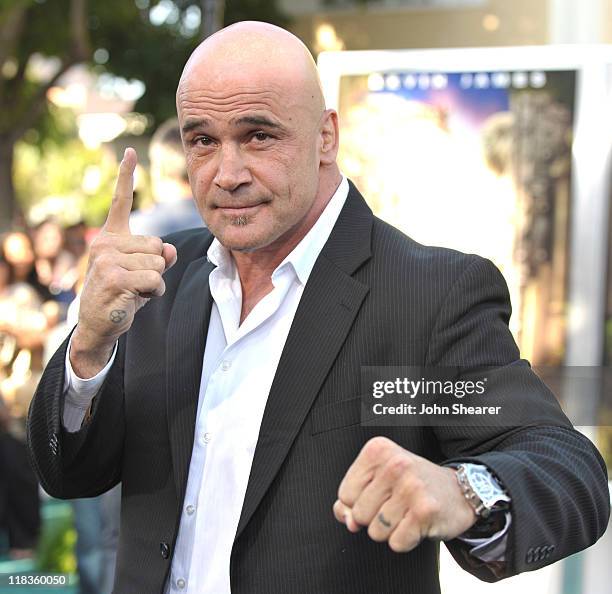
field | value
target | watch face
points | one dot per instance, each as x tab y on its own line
485	486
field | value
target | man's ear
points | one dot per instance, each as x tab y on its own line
329	137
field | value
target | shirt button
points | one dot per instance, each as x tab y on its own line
206	438
180	583
226	365
190	509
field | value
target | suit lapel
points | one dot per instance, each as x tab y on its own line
187	331
327	309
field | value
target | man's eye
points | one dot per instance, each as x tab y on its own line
203	140
261	136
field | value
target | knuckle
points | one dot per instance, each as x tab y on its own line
376	447
104	261
394	545
361	515
115	279
396	466
338	509
397	544
152	277
426	509
349	490
411	487
157	245
418	486
159	264
99	245
404	489
375	533
345	493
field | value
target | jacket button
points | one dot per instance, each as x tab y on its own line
542	553
164	548
529	556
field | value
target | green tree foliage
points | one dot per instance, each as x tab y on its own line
53	170
133	46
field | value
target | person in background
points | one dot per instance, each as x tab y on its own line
18	251
174	208
19	503
26	316
24	321
55	266
75	239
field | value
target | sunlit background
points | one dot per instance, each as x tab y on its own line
482	125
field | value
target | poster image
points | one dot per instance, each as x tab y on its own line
476	161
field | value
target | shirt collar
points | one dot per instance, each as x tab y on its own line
303	257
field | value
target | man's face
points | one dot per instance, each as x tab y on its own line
48	240
252	158
18	249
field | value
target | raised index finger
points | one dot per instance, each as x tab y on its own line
118	217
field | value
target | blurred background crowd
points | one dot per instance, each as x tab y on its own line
42	270
497	138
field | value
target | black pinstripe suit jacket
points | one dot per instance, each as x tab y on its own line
374	297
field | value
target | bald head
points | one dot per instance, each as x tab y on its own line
253	52
260	146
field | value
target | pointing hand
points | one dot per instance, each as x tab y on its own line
123	273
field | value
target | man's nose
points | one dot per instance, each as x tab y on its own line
232	171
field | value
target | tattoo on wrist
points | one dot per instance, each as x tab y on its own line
117	316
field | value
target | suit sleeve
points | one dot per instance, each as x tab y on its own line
554	475
87	462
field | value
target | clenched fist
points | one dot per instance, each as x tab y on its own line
123	273
401	497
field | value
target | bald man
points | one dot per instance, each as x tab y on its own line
216	373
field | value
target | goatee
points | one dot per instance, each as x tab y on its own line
240	221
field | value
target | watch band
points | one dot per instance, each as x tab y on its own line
472	498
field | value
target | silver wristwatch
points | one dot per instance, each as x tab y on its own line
481	489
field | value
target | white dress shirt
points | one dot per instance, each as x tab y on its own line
239	365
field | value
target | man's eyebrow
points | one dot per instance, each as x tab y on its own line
256	121
192	124
195	123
